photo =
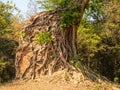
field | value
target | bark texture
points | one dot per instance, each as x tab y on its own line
33	59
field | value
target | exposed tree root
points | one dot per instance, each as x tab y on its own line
33	59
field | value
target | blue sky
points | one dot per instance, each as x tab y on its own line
22	5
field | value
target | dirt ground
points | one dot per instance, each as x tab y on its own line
49	84
41	85
60	81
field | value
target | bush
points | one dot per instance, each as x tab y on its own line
7	57
100	51
43	37
88	43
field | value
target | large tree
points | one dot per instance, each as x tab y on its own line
5	17
7	45
50	39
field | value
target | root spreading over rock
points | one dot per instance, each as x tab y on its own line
34	59
45	48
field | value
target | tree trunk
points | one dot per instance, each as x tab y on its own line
33	59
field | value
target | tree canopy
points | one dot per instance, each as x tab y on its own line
7	45
6	11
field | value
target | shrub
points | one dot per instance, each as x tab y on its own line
7	57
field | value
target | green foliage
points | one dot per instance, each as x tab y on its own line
88	42
2	68
52	4
111	41
5	17
116	79
68	11
7	47
95	11
75	62
7	55
43	37
70	16
98	35
99	42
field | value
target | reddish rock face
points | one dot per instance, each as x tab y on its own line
25	62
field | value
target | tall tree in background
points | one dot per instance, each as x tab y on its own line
5	17
98	38
7	45
110	34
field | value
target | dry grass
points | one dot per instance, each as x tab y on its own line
59	81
